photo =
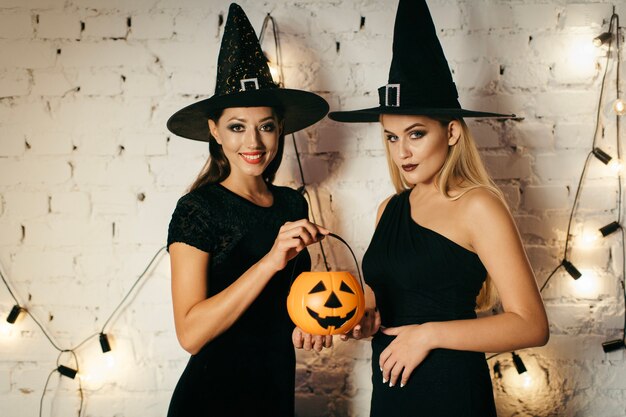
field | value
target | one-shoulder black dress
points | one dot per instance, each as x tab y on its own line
420	276
249	370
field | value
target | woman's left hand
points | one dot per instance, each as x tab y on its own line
410	347
306	341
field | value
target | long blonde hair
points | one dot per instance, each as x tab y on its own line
463	169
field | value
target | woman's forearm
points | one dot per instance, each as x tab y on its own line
212	316
499	333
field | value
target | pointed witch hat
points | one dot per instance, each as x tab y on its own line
420	81
244	80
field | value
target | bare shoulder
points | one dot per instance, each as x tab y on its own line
481	206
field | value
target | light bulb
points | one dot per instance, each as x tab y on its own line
615	166
603	39
619	107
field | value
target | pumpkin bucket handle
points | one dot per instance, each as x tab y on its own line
339	238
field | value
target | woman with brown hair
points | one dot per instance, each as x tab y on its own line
233	237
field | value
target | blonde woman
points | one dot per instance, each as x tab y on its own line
442	244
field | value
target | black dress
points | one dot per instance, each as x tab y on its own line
420	276
249	370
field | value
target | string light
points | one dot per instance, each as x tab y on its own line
613	345
14	314
519	364
601	155
571	269
603	39
619	107
67	371
609	228
104	343
103	337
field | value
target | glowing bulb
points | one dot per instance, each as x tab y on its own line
6	329
615	166
619	107
528	380
587	286
274	71
589	238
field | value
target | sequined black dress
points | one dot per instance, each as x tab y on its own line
249	369
420	276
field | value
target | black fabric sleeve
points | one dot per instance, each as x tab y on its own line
192	224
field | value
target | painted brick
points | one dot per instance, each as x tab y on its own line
517	166
535	16
546	198
586	15
75	203
29	171
14	83
16	26
51	82
13	141
24	205
152	26
491	17
58	25
26	54
107	53
105	26
104	82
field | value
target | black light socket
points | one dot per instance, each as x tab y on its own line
14	314
571	269
104	343
601	155
611	345
609	228
603	38
519	364
68	372
497	372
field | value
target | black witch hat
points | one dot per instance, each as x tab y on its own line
420	81
244	80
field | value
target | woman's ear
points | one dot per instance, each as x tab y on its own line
454	132
213	131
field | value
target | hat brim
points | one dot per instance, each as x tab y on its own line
300	110
373	114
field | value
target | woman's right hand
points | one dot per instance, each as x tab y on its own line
368	326
292	238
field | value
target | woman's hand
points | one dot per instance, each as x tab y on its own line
368	326
292	238
306	341
410	347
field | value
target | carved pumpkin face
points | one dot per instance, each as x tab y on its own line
325	303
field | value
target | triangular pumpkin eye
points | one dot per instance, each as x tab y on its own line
344	287
318	288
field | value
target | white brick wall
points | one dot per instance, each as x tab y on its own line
89	177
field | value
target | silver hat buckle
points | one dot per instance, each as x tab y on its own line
248	84
392	90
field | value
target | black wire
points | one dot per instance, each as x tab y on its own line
45	387
9	288
575	204
550	277
131	289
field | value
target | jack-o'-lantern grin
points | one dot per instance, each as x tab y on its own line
334	321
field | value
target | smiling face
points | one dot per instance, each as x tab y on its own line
418	145
326	303
249	138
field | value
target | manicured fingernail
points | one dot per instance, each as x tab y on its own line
384	380
390	384
381	369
